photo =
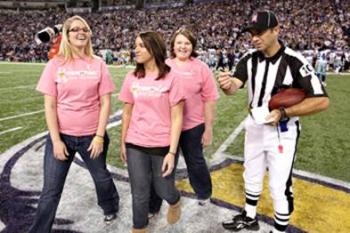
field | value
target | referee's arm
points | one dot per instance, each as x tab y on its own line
317	99
229	84
308	106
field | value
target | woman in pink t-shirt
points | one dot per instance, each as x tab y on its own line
151	127
199	111
77	91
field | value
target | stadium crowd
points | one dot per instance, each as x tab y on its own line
306	26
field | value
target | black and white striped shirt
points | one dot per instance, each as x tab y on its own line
265	76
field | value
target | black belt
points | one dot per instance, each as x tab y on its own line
160	151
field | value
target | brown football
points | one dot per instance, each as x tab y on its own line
286	98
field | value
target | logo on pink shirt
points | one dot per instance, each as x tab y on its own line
63	75
139	90
184	74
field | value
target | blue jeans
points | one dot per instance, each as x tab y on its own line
198	172
146	169
55	172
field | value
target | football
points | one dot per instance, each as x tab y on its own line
286	98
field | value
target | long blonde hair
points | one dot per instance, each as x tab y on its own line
66	50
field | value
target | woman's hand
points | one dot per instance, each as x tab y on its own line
96	147
207	137
123	152
168	164
60	150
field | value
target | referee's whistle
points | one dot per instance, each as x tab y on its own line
280	149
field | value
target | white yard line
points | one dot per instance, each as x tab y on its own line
32	113
219	155
118	112
18	87
322	178
10	130
23	63
21	115
114	124
231	138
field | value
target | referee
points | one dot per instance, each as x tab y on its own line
271	137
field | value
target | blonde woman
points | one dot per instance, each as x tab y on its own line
76	86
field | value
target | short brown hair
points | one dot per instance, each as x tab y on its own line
189	35
155	45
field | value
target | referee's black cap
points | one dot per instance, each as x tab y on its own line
261	21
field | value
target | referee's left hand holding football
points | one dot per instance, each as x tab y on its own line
274	117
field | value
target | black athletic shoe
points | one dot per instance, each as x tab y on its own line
240	222
109	218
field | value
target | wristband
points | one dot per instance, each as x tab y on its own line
172	153
98	140
283	113
99	136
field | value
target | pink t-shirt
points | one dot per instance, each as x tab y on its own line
77	86
199	86
152	101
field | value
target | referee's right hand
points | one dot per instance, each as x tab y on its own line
225	80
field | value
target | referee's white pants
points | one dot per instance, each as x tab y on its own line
262	152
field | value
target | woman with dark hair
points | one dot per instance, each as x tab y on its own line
199	110
151	126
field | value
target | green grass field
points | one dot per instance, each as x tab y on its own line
323	147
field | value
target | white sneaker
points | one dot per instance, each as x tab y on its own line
203	202
152	215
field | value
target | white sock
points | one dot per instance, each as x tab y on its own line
251	210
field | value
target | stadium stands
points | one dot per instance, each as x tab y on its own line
306	25
34	4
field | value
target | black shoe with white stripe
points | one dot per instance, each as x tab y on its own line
240	222
108	219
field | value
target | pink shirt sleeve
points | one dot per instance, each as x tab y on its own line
176	92
125	94
106	83
47	83
209	90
